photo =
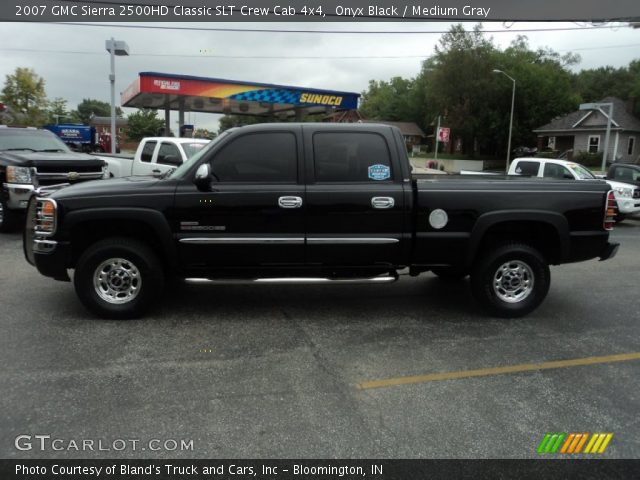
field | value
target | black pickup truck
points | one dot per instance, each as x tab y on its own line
303	203
30	159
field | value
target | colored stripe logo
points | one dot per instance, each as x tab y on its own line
574	443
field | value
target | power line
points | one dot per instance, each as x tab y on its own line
349	32
275	57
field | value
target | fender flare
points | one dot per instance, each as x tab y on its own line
151	218
556	220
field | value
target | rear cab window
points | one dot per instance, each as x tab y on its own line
147	151
528	168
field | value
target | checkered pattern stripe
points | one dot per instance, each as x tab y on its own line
272	95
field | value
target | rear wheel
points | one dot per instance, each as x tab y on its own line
511	280
118	278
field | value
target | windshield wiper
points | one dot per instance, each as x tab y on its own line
18	149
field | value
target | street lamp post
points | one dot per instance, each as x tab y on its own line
121	49
598	106
513	99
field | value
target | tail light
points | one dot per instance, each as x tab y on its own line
610	211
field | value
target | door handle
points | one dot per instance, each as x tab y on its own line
290	202
382	202
156	171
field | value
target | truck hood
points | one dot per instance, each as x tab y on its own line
35	159
109	187
615	184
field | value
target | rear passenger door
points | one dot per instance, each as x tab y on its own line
355	198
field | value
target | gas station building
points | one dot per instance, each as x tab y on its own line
186	93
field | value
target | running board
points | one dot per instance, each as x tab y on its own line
289	280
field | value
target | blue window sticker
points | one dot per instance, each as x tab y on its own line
379	172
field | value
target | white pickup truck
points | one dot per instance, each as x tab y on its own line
154	156
627	195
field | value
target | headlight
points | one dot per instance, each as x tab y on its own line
624	192
46	216
18	174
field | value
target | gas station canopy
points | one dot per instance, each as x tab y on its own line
166	91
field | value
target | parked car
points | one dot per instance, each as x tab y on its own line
624	172
154	156
627	194
31	158
305	203
523	151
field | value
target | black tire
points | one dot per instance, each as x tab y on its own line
449	274
7	218
511	297
139	273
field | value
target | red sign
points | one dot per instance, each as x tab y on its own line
443	134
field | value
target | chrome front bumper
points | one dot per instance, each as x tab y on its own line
18	195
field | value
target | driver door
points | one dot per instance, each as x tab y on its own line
254	214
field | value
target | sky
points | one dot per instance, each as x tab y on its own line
82	72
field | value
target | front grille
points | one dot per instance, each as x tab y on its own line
29	231
65	169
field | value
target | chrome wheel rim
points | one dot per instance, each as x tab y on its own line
117	280
513	281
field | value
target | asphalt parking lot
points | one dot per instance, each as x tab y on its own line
266	371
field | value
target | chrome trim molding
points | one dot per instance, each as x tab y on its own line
290	280
351	240
243	240
44	246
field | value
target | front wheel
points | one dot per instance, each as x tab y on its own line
118	278
511	280
7	218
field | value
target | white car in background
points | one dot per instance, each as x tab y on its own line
154	156
627	195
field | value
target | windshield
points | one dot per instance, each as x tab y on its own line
31	140
582	172
190	149
186	166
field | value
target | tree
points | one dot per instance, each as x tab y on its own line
231	121
90	107
24	93
58	112
144	123
204	133
392	100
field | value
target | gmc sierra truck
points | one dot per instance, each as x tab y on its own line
305	203
30	159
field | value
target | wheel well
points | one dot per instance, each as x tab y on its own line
542	236
87	233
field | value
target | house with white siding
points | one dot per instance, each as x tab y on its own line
584	131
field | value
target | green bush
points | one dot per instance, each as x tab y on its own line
588	159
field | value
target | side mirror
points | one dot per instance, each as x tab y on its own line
203	177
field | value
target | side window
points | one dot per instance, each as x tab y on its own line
147	151
169	154
528	168
594	144
258	157
351	157
552	170
622	174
